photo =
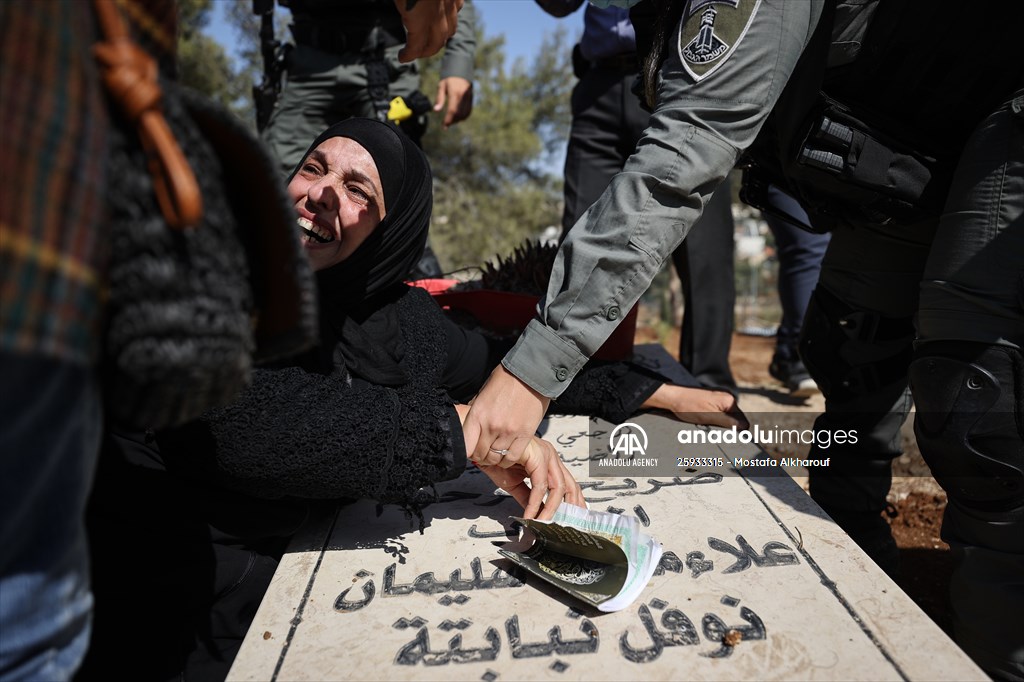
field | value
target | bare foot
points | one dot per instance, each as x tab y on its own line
699	406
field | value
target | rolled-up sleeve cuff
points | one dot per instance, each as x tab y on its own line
543	360
457	65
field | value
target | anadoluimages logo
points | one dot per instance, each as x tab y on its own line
629	440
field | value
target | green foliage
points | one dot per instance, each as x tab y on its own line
204	65
495	181
247	31
193	17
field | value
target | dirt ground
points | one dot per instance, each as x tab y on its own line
916	501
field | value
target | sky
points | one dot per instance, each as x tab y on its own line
523	23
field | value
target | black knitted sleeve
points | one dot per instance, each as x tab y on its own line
301	434
471	357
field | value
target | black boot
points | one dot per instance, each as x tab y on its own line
793	375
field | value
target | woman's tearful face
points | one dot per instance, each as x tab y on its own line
339	199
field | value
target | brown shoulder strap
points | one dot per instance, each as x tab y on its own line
130	76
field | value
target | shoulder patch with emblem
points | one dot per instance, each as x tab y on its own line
710	32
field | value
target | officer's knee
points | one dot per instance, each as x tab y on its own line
970	428
851	352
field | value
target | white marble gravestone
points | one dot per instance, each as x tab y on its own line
367	596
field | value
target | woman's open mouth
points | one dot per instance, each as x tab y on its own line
314	233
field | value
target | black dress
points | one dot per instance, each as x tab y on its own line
187	526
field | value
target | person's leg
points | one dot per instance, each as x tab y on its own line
856	342
706	269
968	383
49	441
322	88
603	124
800	253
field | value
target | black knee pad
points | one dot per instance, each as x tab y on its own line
970	424
851	352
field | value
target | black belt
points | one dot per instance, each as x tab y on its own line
339	42
620	62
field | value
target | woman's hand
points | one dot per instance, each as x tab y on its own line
534	458
548	476
699	406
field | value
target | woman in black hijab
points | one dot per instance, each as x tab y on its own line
365	415
369	414
363	195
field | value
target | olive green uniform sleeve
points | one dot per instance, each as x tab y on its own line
696	132
460	50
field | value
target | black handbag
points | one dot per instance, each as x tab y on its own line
197	293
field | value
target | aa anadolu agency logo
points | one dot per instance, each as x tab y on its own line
627	453
628	440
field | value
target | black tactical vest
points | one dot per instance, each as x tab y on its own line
878	136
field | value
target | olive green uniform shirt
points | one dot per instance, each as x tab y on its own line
696	132
323	87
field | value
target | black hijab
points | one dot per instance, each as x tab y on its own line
358	320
